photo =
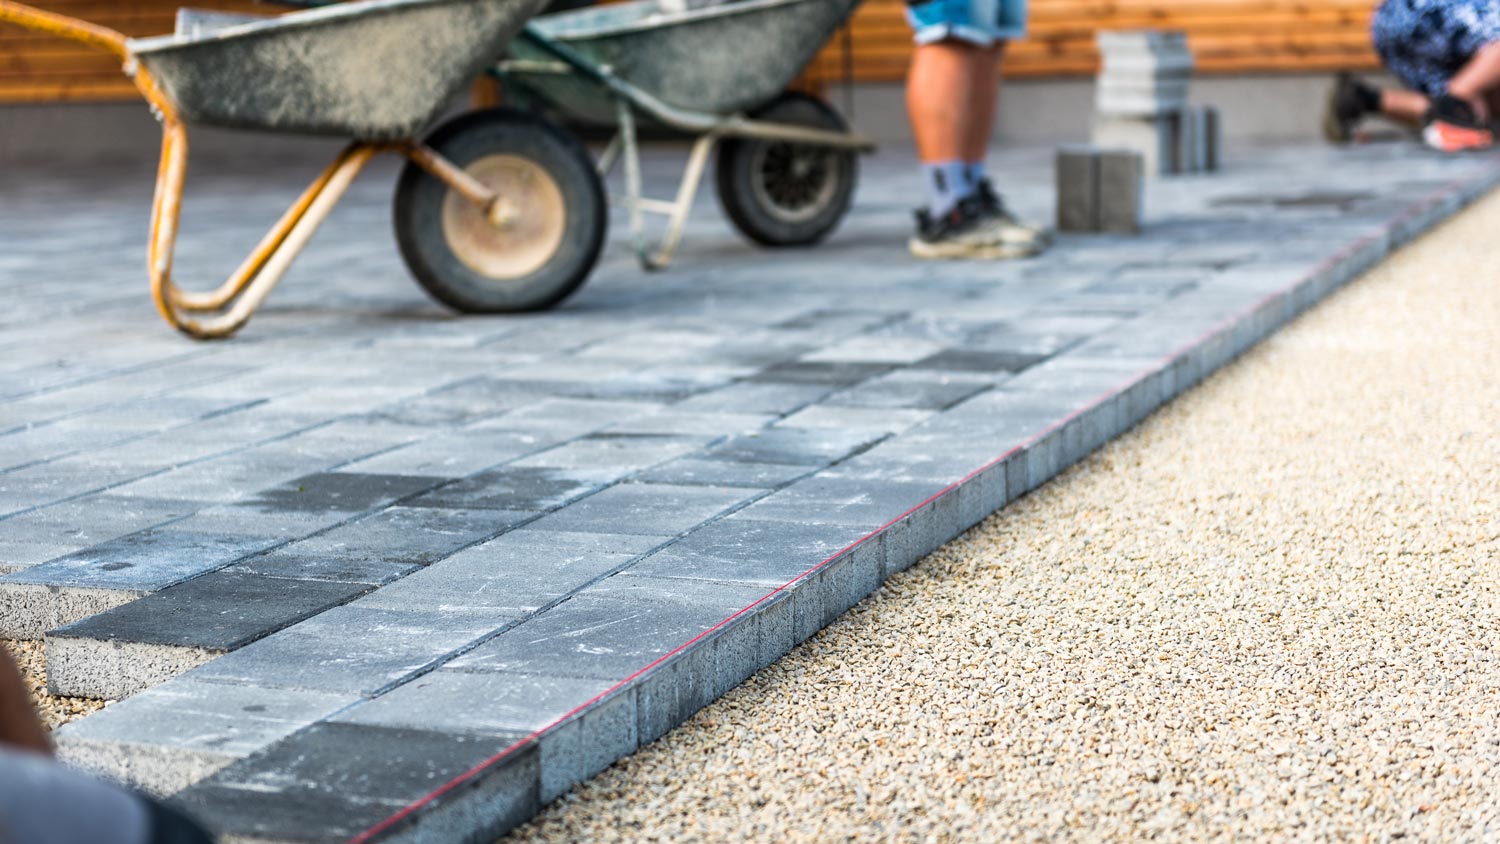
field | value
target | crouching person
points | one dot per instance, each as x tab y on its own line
1447	53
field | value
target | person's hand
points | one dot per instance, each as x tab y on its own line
19	725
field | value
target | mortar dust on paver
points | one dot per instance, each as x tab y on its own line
1267	614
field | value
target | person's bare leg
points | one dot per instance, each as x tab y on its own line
984	100
19	726
937	100
1477	78
1406	107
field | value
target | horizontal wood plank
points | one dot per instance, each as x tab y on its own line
1226	36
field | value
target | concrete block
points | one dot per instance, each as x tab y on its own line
1154	137
1212	134
1077	189
1122	191
167	738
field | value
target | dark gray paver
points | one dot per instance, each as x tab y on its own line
513	488
486	475
385	546
333	780
135	646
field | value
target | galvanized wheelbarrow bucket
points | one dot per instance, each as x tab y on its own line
514	222
717	70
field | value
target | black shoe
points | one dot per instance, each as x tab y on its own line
1349	101
1452	125
966	231
1011	229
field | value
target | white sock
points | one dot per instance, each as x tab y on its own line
947	182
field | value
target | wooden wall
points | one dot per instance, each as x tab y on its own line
1227	36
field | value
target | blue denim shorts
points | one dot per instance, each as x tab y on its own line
1425	42
980	22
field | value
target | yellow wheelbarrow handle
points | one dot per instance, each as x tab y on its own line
237	298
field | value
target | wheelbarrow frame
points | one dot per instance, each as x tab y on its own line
707	128
220	312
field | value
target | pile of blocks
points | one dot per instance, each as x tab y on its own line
1141	103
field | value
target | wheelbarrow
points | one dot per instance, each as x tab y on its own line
787	164
508	216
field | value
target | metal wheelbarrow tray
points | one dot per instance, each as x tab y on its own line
716	70
514	222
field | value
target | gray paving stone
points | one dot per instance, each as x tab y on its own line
615	454
354	649
773	398
137	645
587	730
980	360
331	781
708	471
612	629
513	488
790	445
834	373
384	546
861	503
653	509
920	389
515	574
73	587
454	455
746	550
343	491
142	741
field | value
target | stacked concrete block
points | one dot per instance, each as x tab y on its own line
1141	103
1099	190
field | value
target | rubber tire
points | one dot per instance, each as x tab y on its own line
735	177
419	204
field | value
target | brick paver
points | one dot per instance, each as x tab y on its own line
367	545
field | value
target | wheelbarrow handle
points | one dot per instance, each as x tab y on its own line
66	27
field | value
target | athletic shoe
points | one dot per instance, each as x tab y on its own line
1349	100
1009	229
1452	126
964	232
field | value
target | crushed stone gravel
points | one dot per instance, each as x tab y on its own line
1267	614
54	711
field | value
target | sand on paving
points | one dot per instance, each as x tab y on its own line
1267	614
54	711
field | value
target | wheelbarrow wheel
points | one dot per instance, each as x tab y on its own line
533	261
785	194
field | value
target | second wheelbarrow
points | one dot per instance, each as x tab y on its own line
508	216
719	71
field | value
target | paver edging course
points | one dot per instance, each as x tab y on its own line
507	788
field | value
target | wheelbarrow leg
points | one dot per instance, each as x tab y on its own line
686	192
676	211
243	293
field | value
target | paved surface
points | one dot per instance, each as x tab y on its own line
373	545
1246	620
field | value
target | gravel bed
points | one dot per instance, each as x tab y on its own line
1269	613
55	711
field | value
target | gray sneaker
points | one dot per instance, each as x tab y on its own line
965	232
